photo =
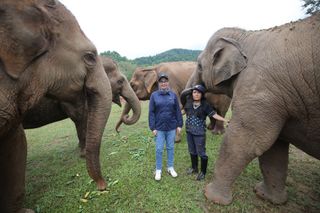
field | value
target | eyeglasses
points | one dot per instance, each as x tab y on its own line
163	81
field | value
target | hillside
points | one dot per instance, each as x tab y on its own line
128	66
170	55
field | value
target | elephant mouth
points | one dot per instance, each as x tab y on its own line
116	100
143	97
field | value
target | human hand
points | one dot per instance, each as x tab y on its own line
179	130
154	132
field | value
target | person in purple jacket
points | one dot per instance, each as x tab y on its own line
165	119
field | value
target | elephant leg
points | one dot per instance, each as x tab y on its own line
231	161
81	132
13	156
241	144
78	114
274	167
218	128
211	124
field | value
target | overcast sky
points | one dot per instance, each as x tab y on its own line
137	28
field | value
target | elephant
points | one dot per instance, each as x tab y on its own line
219	101
273	77
144	82
50	110
44	53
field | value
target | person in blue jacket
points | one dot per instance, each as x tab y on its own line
197	109
165	119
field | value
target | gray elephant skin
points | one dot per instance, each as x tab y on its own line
273	77
144	82
45	53
220	102
48	110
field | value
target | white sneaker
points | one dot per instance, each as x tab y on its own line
158	175
172	172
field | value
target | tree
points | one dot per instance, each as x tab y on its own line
167	56
127	68
312	6
115	56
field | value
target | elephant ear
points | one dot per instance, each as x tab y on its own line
150	78
22	37
228	60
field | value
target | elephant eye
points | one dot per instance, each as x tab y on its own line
51	3
120	81
134	87
90	59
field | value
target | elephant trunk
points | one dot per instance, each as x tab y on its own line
124	113
194	79
99	97
132	103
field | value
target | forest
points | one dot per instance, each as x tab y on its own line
127	66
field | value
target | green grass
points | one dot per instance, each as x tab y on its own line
57	180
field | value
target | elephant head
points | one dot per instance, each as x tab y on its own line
143	83
121	87
49	110
220	63
45	53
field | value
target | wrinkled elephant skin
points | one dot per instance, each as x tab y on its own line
144	82
273	78
51	58
220	102
49	110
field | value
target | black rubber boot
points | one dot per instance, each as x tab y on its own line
194	165
204	164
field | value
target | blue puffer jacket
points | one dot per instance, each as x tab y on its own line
164	111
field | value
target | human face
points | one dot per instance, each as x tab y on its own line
163	83
196	95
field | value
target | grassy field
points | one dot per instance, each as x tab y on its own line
57	180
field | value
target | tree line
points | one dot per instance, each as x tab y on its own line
311	6
127	66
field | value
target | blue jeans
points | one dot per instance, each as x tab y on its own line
163	137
